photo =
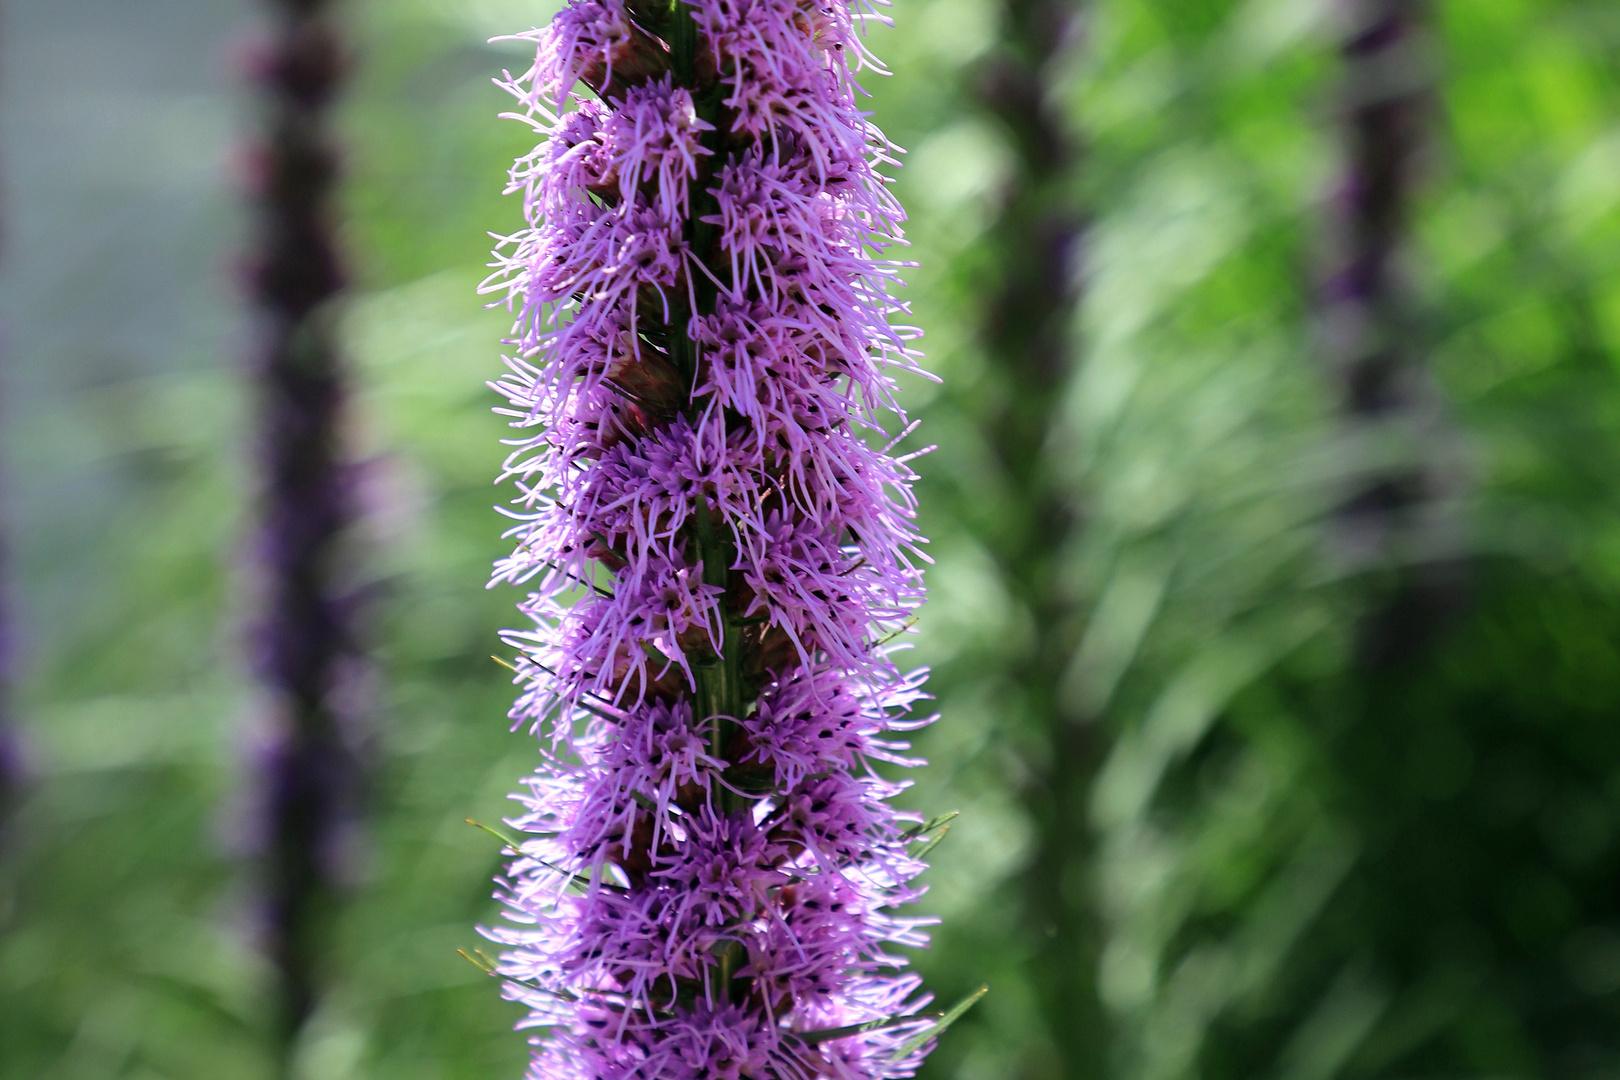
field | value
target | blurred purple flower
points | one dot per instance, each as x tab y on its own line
307	651
715	551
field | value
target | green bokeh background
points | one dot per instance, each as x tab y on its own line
1256	810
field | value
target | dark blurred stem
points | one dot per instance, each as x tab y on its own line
1372	338
1029	336
11	766
307	649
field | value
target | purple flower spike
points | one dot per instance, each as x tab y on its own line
717	547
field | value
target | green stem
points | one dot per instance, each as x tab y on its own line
721	695
683	43
720	690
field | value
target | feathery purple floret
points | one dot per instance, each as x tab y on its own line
717	547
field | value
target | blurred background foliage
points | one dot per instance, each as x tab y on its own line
1284	865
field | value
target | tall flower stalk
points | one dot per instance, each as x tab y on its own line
1394	518
1029	339
11	755
11	763
308	659
718	549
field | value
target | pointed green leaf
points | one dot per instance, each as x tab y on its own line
815	1038
896	632
481	962
509	841
936	822
922	852
951	1017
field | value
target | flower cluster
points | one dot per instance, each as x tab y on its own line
717	546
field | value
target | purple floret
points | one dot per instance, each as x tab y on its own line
717	547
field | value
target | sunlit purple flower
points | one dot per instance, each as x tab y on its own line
717	548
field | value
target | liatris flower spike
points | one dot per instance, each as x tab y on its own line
718	553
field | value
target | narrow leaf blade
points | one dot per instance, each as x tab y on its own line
910	1045
510	841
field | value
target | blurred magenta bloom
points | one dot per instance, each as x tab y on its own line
717	546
